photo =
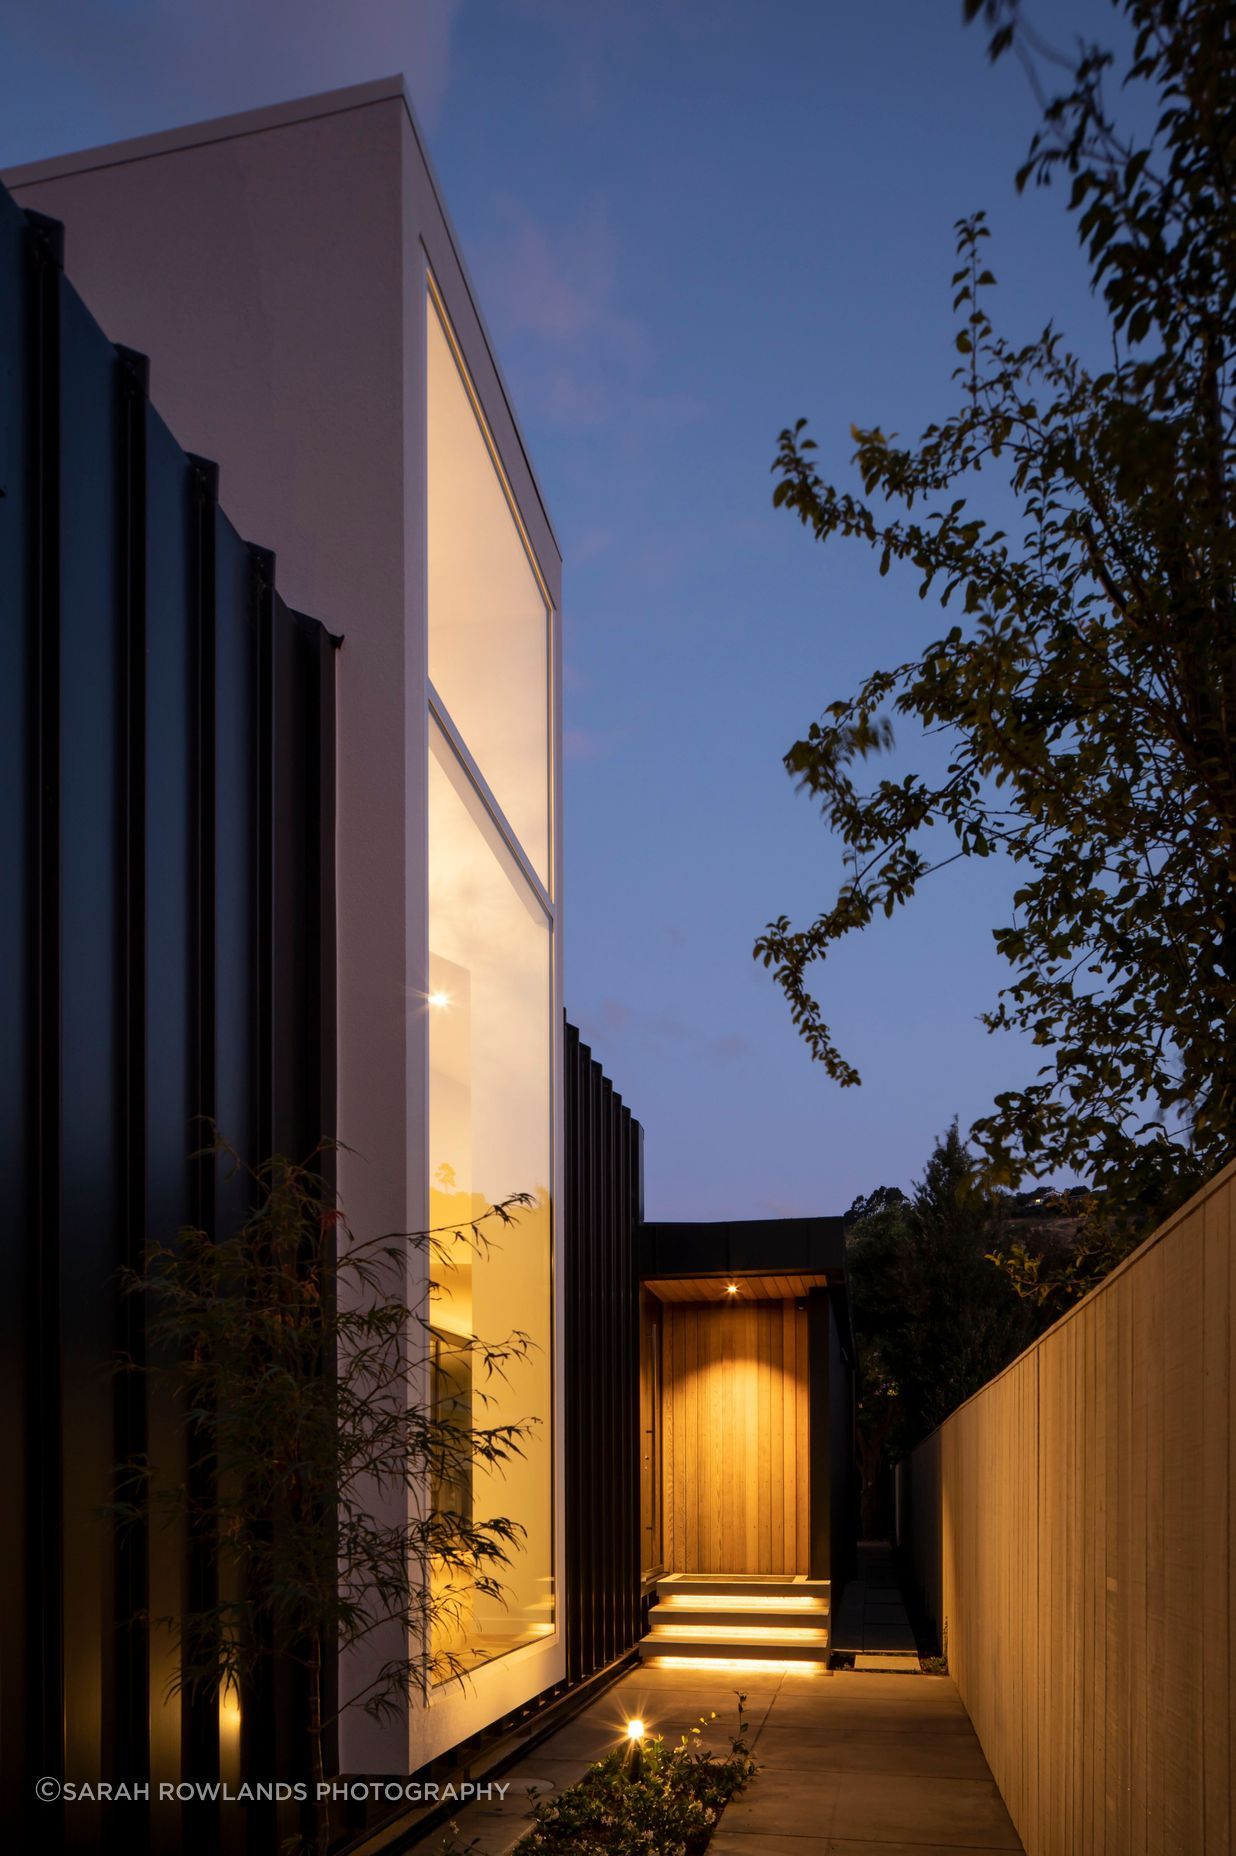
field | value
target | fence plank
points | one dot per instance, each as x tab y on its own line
1070	1530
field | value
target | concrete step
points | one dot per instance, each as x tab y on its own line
735	1644
738	1585
740	1618
727	1613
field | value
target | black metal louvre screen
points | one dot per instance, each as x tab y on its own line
601	1392
167	960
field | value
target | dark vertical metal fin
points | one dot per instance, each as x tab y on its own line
46	1701
21	1708
267	1062
142	949
601	1394
199	1711
132	1752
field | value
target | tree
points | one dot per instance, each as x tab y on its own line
330	1496
933	1319
877	1231
1088	692
1051	1275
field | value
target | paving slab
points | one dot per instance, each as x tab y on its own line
592	1735
884	1807
700	1698
797	1803
756	1843
881	1764
727	1678
956	1756
896	1637
871	1614
922	1704
863	1846
917	1688
546	1775
851	1765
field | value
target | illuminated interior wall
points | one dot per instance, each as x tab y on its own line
491	992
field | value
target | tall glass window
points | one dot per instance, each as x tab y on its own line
490	1002
488	618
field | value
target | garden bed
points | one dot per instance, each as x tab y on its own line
646	1798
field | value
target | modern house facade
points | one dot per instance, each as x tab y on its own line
292	279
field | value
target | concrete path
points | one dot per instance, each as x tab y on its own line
867	1765
850	1764
871	1617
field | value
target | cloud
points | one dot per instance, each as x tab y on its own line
431	22
591	543
556	297
584	360
661	1033
587	39
588	42
562	289
583	746
107	72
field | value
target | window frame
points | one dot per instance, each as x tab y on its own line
545	894
436	304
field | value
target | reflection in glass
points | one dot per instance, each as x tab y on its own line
488	620
490	1119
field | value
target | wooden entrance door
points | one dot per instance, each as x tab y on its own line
734	1436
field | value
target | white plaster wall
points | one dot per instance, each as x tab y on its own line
272	266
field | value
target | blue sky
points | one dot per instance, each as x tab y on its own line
689	222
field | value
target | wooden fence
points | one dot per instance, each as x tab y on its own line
1071	1532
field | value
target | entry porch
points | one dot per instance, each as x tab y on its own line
746	1393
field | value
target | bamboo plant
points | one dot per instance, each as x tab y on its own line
299	1362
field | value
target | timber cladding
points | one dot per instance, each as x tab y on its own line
734	1437
1071	1529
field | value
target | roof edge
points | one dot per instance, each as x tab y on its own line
280	116
211	129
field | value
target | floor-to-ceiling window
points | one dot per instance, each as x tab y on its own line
490	993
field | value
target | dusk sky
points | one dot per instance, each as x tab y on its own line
688	223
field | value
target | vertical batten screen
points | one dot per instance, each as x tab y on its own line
602	1214
166	799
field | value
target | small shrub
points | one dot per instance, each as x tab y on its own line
668	1804
937	1665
